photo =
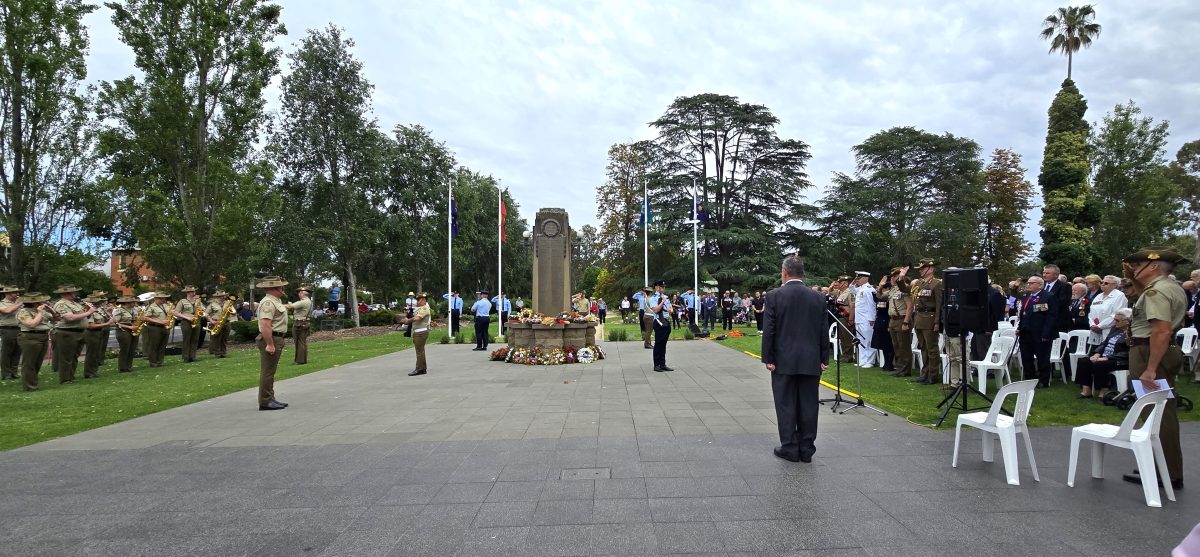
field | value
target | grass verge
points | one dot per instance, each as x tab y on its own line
1056	406
60	410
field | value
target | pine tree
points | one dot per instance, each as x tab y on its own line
1069	212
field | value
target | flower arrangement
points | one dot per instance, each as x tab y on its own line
549	356
736	333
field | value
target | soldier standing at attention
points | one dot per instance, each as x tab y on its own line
123	316
218	341
10	351
420	332
923	314
301	316
93	337
660	312
845	303
154	332
456	305
34	318
482	310
185	314
645	319
272	325
899	300
863	321
1153	354
73	318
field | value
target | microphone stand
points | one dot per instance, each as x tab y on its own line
837	398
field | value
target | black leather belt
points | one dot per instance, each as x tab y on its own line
34	332
1134	341
70	329
10	328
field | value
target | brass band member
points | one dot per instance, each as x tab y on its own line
34	318
272	325
217	345
10	351
420	332
124	319
94	337
185	313
301	315
154	333
68	341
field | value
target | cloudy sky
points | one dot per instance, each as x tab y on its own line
534	93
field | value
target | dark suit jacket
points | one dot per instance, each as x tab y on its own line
1062	297
1038	316
1120	355
996	302
795	331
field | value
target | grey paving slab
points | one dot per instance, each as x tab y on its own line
482	458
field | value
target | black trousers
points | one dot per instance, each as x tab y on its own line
709	317
1097	375
727	319
455	316
662	332
481	330
796	405
1035	357
691	315
758	320
602	315
641	320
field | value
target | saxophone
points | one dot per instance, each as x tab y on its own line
170	316
138	325
198	314
222	318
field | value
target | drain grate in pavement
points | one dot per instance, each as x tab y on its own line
586	474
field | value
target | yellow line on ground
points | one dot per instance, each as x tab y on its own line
829	386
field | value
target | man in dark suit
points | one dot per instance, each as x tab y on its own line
1037	329
795	349
1061	290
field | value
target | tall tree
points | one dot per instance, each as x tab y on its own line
1138	201
585	253
1070	29
1010	196
751	182
1185	172
1069	211
44	149
914	194
179	137
331	150
619	199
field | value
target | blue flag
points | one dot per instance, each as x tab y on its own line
645	217
453	218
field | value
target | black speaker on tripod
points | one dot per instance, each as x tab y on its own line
966	299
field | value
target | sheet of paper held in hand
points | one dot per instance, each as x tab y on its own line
1140	390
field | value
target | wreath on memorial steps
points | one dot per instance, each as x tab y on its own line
548	356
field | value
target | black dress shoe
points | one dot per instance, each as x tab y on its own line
416	372
1135	477
805	458
283	404
665	368
921	380
779	453
659	368
271	406
648	347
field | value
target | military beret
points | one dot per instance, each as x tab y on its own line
1153	254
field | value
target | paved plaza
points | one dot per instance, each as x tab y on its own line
486	458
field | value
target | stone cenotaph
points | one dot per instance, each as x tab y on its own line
551	288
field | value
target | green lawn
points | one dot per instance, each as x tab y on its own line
916	403
59	410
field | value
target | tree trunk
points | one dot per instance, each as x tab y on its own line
1068	64
351	296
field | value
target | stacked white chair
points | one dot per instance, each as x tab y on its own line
1143	441
993	423
1080	341
918	356
1189	346
995	361
1057	347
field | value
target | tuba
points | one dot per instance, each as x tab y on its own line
222	318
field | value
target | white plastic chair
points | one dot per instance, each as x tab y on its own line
1006	428
918	356
833	339
1122	377
1143	441
944	358
1013	320
1189	347
1080	341
1057	347
996	360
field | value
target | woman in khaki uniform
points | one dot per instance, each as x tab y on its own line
420	332
34	318
94	336
123	316
10	351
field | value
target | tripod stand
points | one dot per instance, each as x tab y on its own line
837	398
964	387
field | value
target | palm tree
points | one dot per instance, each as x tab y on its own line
1070	29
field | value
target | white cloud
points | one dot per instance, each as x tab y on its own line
535	92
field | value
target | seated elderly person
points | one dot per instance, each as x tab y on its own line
1095	372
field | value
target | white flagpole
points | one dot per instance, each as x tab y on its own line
645	236
500	261
449	254
695	257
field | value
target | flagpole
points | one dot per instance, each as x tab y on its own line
500	262
449	254
645	235
695	257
